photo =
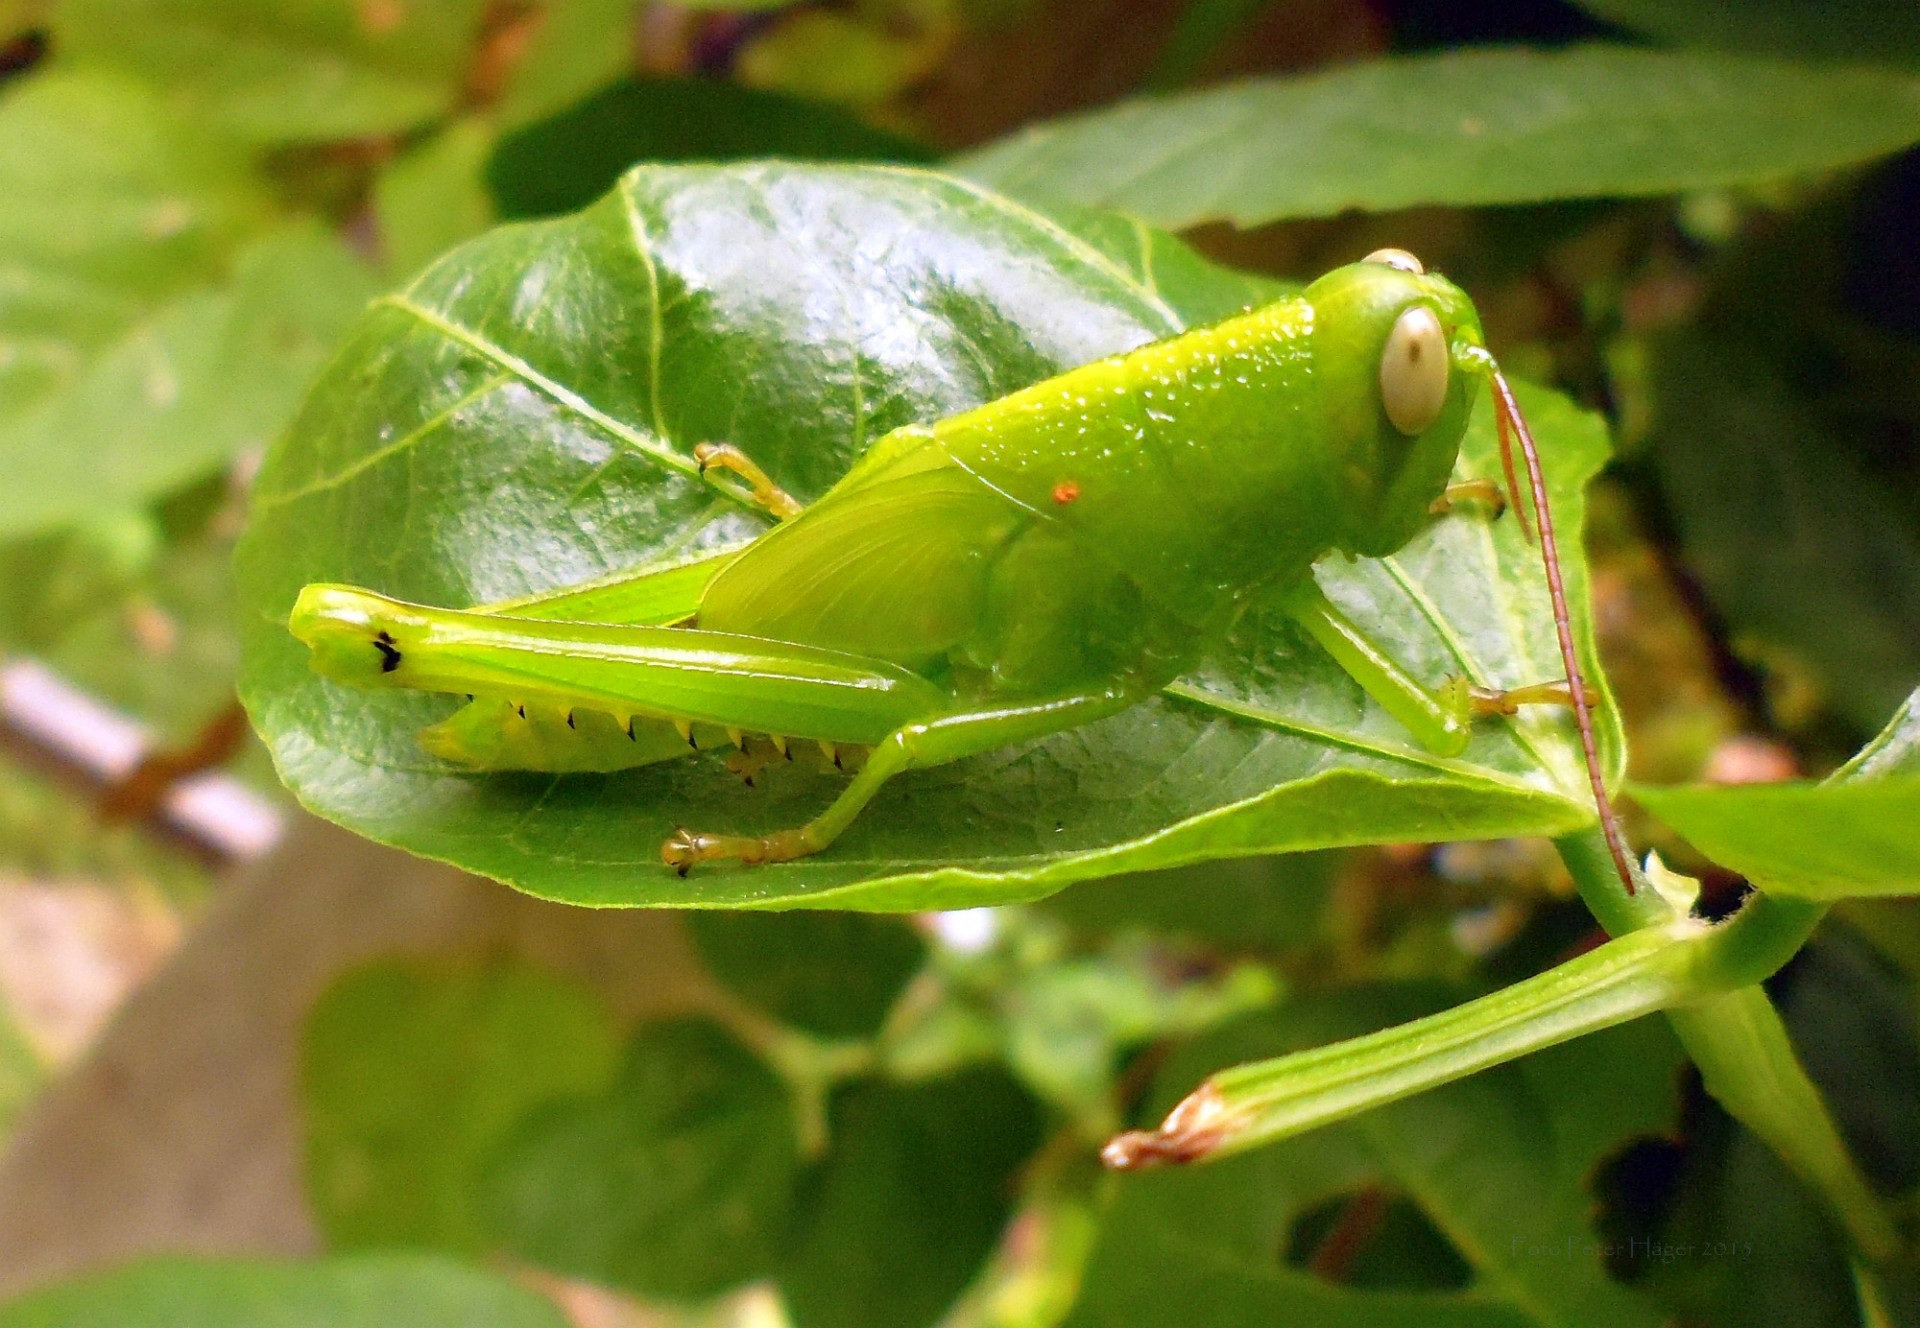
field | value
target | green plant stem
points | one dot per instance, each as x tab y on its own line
1705	976
1666	960
1737	1039
1648	971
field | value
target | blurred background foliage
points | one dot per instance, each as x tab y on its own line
884	1123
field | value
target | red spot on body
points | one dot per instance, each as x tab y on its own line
1066	491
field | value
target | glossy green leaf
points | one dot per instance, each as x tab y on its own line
898	1217
1461	127
155	325
572	158
1880	31
521	418
321	69
412	1077
1497	1163
364	1292
675	1181
832	974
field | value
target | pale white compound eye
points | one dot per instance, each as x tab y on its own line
1399	258
1413	371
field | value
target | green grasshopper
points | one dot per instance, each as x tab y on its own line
1032	564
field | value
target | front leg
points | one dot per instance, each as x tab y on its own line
1488	492
1440	718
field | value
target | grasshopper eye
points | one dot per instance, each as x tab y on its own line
1399	258
1413	371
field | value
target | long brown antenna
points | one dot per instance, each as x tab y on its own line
1504	431
1508	419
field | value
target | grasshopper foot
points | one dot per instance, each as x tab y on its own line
1496	701
686	849
1486	492
725	456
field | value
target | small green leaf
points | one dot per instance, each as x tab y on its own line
521	418
675	1182
324	69
157	325
900	1215
433	197
1820	841
1461	128
363	1292
1498	1163
1857	833
832	974
577	46
1067	1022
412	1077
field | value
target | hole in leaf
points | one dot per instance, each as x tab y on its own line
1375	1239
1636	1188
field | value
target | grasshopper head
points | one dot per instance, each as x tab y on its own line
356	637
1393	349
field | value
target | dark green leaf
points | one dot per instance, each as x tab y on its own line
1462	127
1497	1162
1204	27
365	1292
1779	517
413	1076
675	1182
1852	1017
324	69
898	1218
568	161
508	424
1884	31
832	974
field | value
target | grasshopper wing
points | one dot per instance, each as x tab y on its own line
894	568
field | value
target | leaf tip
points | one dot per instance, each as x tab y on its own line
1192	1130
